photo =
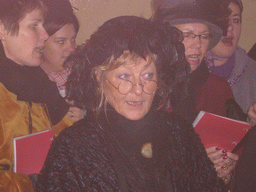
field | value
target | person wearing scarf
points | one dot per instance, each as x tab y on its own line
232	63
30	102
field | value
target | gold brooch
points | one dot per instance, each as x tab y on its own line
146	150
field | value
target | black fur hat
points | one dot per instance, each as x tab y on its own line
139	36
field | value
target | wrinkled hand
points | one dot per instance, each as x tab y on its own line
76	113
224	162
252	114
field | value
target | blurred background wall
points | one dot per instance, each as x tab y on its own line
248	36
93	13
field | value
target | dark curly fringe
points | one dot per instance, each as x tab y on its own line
137	35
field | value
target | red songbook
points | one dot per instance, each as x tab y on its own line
215	130
30	151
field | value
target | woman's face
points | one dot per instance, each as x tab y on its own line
196	42
228	44
27	46
58	47
135	104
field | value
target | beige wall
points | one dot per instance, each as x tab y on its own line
248	36
93	13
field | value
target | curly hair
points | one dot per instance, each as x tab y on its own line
139	36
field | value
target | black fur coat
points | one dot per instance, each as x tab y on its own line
104	154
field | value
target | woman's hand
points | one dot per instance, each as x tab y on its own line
224	162
252	114
76	113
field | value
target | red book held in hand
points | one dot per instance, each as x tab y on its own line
215	130
30	151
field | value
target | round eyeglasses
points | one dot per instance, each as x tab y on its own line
126	86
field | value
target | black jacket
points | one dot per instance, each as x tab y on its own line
104	154
246	167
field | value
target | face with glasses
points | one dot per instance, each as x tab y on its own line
196	41
130	88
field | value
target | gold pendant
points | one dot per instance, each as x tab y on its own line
146	150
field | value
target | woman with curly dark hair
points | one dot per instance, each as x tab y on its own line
125	143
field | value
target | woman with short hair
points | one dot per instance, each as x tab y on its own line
30	102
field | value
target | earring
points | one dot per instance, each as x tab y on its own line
3	38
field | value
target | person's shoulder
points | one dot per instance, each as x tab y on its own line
177	128
3	89
172	119
242	56
216	83
217	79
240	50
7	97
84	129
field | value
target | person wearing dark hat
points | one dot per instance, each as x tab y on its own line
62	26
231	62
202	30
197	21
123	73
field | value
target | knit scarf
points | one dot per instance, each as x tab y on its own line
209	58
31	84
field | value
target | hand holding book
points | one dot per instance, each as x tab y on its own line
224	162
220	136
220	131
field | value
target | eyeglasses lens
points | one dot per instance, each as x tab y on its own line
126	86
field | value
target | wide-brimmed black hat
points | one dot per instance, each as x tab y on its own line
193	11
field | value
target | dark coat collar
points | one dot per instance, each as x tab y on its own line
199	76
186	107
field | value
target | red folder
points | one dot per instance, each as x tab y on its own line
30	151
215	130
